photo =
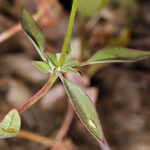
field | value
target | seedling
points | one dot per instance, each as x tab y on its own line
58	64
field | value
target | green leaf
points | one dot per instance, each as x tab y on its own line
111	55
87	8
84	108
52	58
42	66
69	63
10	125
69	69
33	31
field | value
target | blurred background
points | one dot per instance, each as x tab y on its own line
121	91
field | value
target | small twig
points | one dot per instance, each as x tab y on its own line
9	33
66	123
35	137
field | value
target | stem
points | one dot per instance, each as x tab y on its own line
39	94
66	123
35	137
69	31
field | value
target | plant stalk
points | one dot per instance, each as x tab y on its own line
39	94
35	137
69	31
66	123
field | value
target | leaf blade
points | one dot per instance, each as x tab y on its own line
84	108
33	31
52	58
70	63
10	125
42	66
111	55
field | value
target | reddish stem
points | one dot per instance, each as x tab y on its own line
38	95
66	123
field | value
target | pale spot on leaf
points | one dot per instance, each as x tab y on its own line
92	123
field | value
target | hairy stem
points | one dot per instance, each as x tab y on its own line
69	31
38	95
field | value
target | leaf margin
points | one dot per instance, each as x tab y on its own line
42	66
27	20
91	61
101	135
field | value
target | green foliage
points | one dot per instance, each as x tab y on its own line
111	55
84	108
57	64
69	69
42	66
52	59
10	125
87	8
69	63
33	31
67	66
